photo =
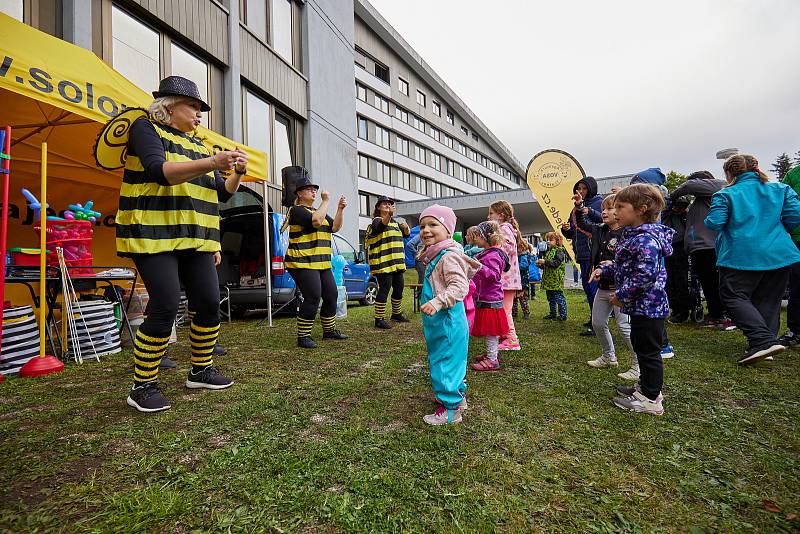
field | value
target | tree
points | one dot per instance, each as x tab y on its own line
674	180
797	158
782	166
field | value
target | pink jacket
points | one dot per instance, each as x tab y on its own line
450	279
511	279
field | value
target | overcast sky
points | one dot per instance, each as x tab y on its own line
620	84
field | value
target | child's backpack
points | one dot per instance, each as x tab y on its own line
524	261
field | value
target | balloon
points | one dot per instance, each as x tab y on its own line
33	203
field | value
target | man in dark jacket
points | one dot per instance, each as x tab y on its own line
699	243
590	204
678	264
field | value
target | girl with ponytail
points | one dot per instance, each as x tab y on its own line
753	218
503	213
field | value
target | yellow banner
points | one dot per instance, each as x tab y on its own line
552	174
45	68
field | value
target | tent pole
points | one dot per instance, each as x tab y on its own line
5	168
267	256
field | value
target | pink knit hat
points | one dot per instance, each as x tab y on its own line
443	214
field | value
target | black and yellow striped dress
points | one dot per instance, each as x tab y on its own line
385	247
309	247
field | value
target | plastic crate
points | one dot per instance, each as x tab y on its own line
75	238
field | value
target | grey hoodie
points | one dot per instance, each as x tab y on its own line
702	185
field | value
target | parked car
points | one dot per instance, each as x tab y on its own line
243	269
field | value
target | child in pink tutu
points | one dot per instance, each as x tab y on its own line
490	316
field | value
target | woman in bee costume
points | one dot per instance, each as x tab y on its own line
308	258
384	242
168	223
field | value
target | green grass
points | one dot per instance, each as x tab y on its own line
332	440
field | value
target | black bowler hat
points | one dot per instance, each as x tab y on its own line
180	86
384	198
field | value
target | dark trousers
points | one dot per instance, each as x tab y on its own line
589	289
163	274
753	301
315	284
793	309
558	303
704	266
678	281
387	281
647	336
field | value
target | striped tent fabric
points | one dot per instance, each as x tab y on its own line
100	327
20	339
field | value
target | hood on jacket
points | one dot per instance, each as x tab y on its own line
591	185
653	176
470	265
700	175
662	234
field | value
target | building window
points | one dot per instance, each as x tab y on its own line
465	131
402	145
437	109
402	86
12	8
363	204
475	136
436	189
363	166
192	68
135	50
361	92
451	168
382	136
381	103
362	128
257	123
281	28
421	99
400	113
462	149
419	124
420	185
436	134
284	143
384	173
462	173
436	161
255	16
382	72
451	119
361	59
419	153
403	179
448	140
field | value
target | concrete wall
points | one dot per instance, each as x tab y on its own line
330	133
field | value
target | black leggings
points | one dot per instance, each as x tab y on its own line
162	275
315	284
393	281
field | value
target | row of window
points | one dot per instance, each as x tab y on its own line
379	171
400	113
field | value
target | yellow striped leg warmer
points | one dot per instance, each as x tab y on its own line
147	354
203	340
304	327
328	323
397	306
380	310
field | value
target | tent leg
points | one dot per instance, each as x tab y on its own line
267	256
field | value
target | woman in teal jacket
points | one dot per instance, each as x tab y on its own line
753	218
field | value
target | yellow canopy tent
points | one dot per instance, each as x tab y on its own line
55	92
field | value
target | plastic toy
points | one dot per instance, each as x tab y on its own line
33	203
82	213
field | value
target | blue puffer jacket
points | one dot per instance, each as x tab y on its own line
580	238
753	221
638	270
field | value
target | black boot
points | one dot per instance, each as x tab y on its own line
334	334
219	350
399	318
382	324
167	363
306	342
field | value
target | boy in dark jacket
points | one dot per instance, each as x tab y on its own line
590	203
678	264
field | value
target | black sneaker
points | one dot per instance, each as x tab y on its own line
400	318
382	324
207	378
588	324
789	339
219	350
167	363
760	353
526	315
147	397
306	342
334	334
549	317
561	318
587	333
678	318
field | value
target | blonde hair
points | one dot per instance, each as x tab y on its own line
742	163
470	234
505	209
608	201
643	195
494	239
559	239
159	108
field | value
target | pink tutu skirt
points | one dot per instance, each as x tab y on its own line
490	322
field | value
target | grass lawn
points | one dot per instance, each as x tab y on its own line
332	440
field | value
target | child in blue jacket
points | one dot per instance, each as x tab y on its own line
640	279
523	297
753	218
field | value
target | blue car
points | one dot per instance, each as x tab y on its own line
243	269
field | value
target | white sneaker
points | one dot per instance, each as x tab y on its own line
443	416
630	374
640	404
602	362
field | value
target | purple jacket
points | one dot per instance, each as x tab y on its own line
639	272
488	280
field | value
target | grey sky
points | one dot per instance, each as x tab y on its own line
620	84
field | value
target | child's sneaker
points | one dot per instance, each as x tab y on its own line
667	352
480	358
641	404
509	344
526	315
789	339
443	416
627	391
630	374
602	362
486	365
726	325
463	404
549	317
